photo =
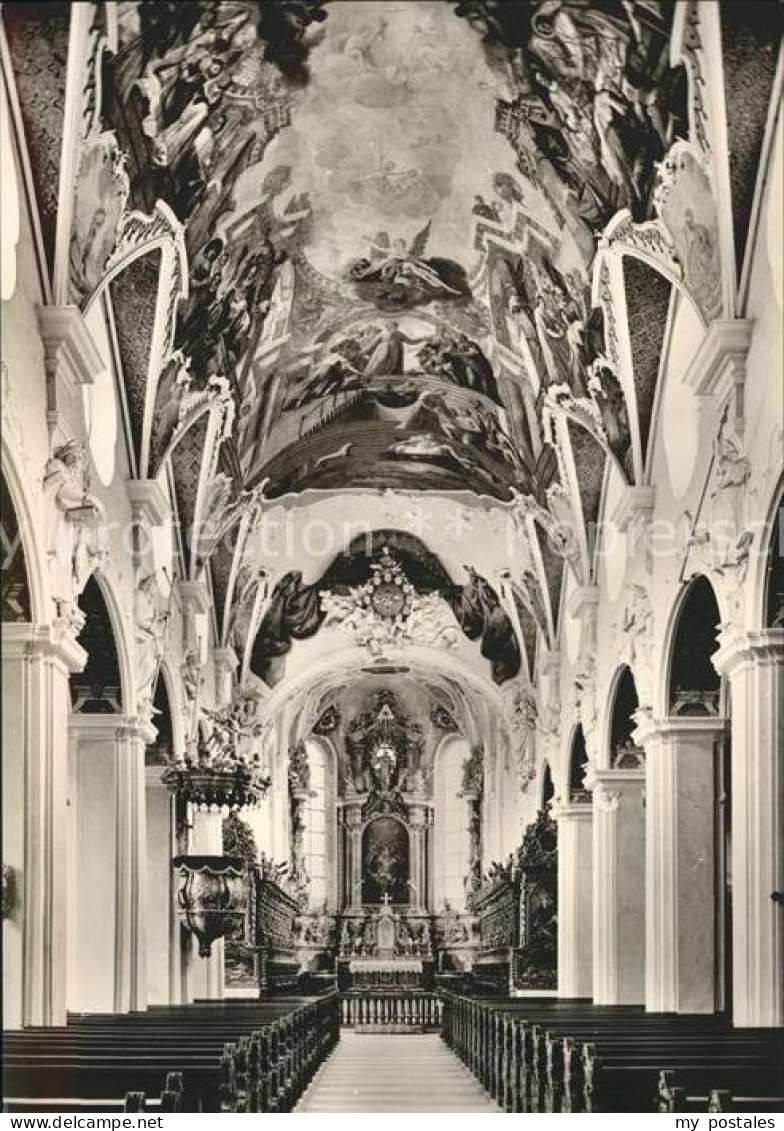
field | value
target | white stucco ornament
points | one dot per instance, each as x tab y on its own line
387	612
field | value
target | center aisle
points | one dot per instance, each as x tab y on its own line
376	1072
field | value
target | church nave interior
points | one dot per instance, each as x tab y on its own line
393	602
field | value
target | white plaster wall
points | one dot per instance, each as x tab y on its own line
159	888
13	726
92	817
92	904
630	864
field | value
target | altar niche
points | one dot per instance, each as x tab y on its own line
385	862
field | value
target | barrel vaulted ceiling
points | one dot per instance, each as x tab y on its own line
428	248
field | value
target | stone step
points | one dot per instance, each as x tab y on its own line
374	1072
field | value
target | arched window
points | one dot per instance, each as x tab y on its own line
578	764
694	682
161	751
97	690
623	723
16	603
774	574
548	789
451	848
318	843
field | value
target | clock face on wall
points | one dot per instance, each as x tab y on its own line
388	592
388	599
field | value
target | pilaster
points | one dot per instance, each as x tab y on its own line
352	815
131	954
110	828
618	887
36	705
418	819
575	899
680	863
753	662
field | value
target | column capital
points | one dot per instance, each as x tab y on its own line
738	648
111	728
417	814
352	815
194	595
572	811
225	660
616	780
584	599
43	640
550	662
650	731
137	729
148	501
635	504
97	728
70	354
722	354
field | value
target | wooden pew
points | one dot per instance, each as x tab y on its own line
170	1101
104	1056
535	1056
269	1070
674	1096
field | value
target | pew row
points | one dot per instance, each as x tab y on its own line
101	1057
269	1070
533	1056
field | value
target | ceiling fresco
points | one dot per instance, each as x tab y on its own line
389	247
366	249
393	167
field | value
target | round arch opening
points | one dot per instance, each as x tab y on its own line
774	573
98	688
694	684
578	767
17	605
624	753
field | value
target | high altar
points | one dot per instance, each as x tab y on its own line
386	873
381	929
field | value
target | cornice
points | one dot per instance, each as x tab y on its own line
148	501
725	346
70	353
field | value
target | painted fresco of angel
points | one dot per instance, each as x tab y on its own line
360	45
395	275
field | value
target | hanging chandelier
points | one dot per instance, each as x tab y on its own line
221	769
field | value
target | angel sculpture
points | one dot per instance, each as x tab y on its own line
396	277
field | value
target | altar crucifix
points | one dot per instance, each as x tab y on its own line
386	933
